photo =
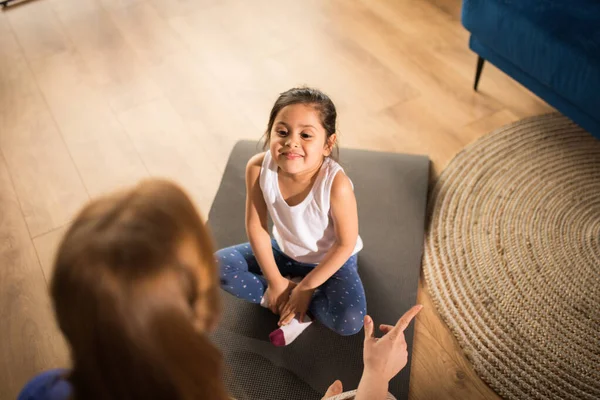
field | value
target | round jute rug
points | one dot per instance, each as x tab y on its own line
512	258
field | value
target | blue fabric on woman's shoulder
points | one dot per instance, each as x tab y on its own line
49	385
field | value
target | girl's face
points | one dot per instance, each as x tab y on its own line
298	140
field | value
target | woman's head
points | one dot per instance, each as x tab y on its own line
134	287
301	129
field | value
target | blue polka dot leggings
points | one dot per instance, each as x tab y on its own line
339	303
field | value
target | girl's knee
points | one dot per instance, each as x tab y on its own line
225	259
226	253
348	322
227	256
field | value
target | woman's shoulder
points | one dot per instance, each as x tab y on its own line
49	385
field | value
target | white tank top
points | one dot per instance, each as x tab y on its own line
304	232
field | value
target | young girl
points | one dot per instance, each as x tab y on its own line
313	208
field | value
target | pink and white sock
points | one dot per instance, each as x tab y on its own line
287	333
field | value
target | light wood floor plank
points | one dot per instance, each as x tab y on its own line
100	147
29	339
208	111
170	150
440	370
46	181
451	7
473	131
178	8
114	66
119	4
209	37
420	127
39	32
146	31
416	65
46	246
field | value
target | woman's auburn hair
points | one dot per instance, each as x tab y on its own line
125	299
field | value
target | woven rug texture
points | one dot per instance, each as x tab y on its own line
512	258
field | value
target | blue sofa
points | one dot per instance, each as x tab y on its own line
552	47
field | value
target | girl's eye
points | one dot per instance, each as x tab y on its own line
281	133
306	136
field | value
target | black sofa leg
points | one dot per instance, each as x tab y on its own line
480	61
6	3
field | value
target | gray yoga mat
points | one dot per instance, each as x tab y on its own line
391	191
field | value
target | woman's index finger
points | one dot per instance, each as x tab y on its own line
404	321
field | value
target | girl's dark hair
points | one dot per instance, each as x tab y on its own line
125	296
309	96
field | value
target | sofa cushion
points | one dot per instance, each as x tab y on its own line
556	42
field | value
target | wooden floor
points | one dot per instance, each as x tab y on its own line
96	94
